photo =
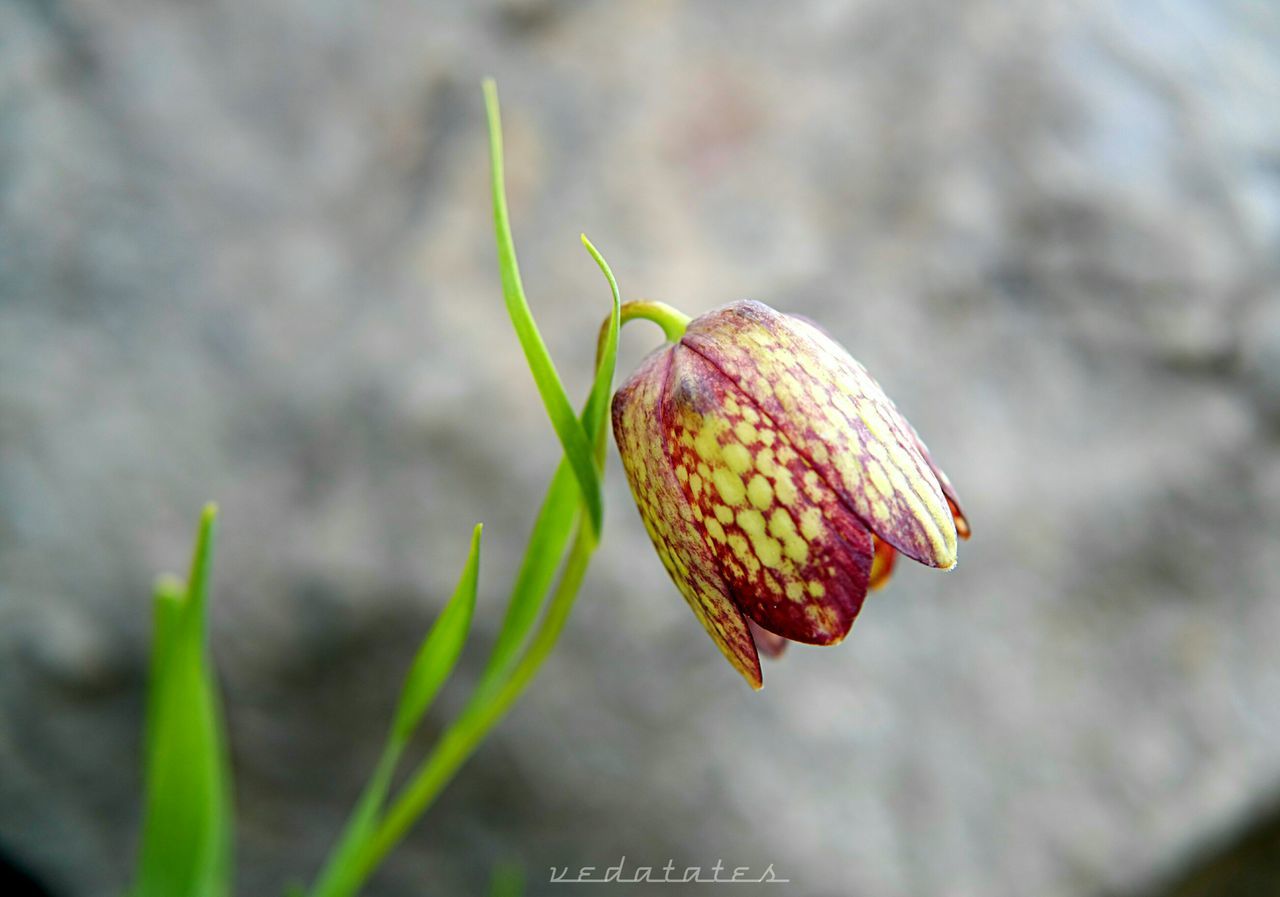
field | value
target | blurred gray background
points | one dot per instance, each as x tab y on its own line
245	254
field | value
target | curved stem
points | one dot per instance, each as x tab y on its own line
672	321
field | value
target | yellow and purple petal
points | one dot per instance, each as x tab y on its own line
669	517
837	419
949	491
794	558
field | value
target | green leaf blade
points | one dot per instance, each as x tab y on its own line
597	411
431	667
186	839
547	543
575	442
441	648
554	524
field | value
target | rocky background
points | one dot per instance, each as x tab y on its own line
245	254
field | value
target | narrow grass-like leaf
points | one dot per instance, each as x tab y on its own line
554	523
576	442
441	649
431	667
462	738
593	420
168	601
547	543
186	839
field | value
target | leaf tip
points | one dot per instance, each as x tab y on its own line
169	587
208	517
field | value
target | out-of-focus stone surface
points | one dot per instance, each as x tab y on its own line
245	254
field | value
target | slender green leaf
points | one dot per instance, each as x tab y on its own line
462	738
168	601
593	422
201	568
547	543
431	667
554	523
441	649
186	840
576	443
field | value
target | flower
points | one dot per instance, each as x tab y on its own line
776	480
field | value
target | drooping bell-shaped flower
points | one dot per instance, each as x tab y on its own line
776	480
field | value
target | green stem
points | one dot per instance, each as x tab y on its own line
672	321
465	735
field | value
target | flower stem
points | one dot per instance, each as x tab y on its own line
672	321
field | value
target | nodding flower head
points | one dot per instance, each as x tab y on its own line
776	480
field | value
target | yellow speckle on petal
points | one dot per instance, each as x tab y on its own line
817	589
796	548
880	509
769	551
729	485
765	463
874	422
780	523
746	432
715	529
706	444
879	479
723	514
752	523
823	617
784	488
737	457
760	492
811	523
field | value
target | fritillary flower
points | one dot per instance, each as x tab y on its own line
776	480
